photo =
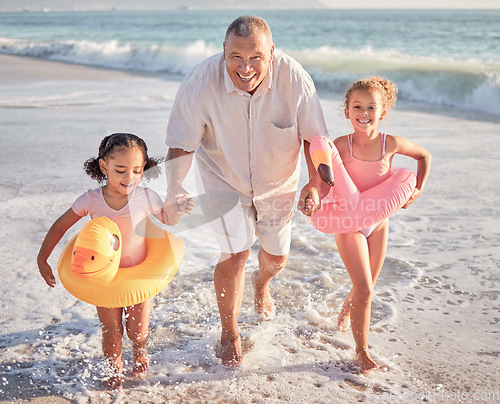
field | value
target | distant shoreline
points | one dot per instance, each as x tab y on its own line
262	7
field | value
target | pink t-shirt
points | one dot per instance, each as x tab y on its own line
131	219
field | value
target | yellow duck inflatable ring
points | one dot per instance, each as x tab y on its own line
89	266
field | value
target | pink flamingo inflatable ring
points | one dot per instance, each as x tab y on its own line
345	209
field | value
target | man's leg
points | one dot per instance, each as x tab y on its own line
229	281
269	266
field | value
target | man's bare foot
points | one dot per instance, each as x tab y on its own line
230	352
344	318
114	377
263	302
364	361
141	361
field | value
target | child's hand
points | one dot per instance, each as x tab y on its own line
308	208
177	202
309	201
46	272
416	194
185	204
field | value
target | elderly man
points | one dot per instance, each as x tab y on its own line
244	114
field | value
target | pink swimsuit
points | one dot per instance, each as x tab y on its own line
367	174
345	209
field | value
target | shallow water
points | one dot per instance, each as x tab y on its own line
435	313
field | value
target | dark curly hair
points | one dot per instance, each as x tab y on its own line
117	141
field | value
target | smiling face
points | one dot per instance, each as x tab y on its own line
97	251
248	59
365	110
124	169
88	262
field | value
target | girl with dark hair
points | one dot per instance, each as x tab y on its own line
119	168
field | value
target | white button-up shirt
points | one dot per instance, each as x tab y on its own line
248	145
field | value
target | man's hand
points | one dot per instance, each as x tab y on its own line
177	203
309	201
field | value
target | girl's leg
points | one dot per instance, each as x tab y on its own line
377	248
112	334
353	249
344	318
137	323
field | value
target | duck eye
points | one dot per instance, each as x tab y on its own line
115	242
92	258
74	252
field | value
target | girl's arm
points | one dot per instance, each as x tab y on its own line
54	235
407	148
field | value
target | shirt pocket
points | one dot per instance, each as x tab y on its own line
283	137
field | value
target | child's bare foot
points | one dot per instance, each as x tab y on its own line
114	382
230	352
344	318
364	361
263	302
141	361
114	379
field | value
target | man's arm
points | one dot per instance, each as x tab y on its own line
177	165
309	200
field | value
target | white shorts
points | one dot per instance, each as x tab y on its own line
237	230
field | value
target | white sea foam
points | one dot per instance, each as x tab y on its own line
437	292
113	54
464	84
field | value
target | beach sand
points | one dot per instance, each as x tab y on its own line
436	314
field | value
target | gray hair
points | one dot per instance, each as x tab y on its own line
247	25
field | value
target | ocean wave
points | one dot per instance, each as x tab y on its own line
463	84
113	54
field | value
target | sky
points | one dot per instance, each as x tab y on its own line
56	5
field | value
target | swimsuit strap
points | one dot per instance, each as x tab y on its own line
349	142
